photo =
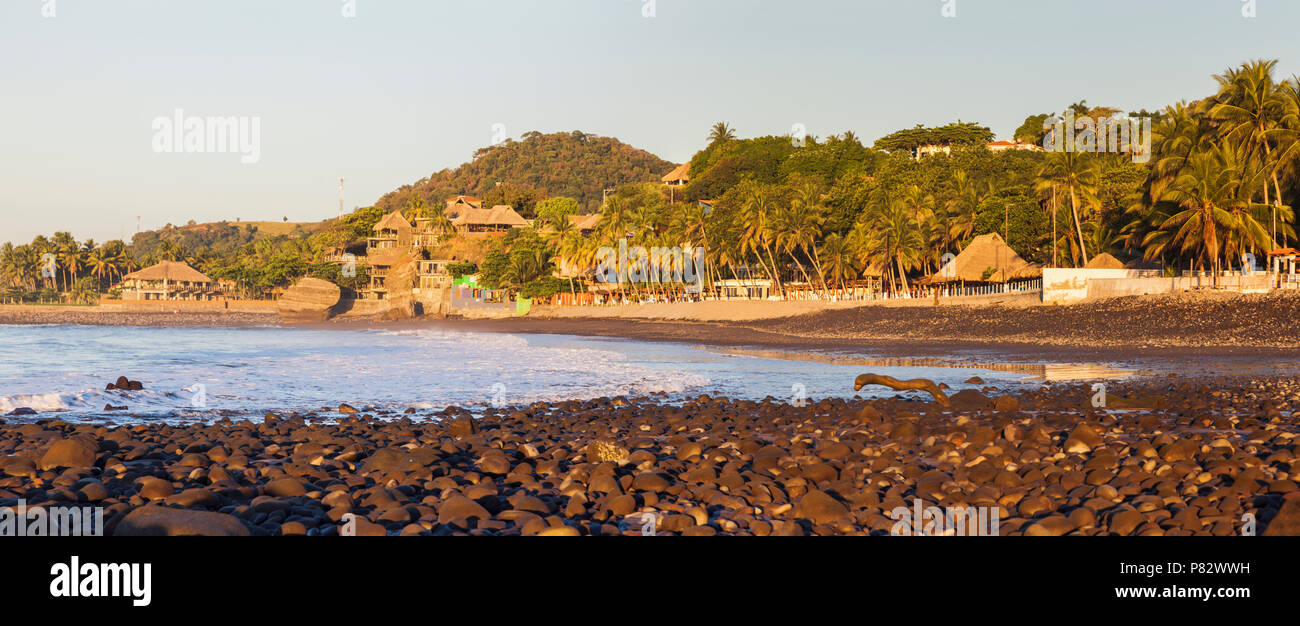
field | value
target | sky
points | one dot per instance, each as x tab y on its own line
385	92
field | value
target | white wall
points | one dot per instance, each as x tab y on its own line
1076	284
1067	284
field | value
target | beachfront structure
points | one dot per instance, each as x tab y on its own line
381	262
494	221
748	289
169	280
679	176
434	275
1104	261
986	259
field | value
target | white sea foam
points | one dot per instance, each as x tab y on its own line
252	371
36	402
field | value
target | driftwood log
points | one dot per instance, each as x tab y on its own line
919	384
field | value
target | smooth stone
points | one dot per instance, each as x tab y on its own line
157	521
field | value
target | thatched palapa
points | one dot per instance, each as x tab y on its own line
986	259
170	271
1104	261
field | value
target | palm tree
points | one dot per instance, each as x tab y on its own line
962	207
898	239
801	225
721	132
1249	109
100	263
759	206
1074	173
1216	206
837	258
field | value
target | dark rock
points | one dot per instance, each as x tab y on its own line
461	508
74	452
820	508
1287	521
462	425
400	460
157	521
286	488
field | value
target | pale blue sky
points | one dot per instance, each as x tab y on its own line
408	87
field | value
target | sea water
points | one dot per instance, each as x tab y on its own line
207	373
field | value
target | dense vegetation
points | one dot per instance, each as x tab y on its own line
1223	176
522	173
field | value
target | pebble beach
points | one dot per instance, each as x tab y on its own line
1167	456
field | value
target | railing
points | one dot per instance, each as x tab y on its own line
864	294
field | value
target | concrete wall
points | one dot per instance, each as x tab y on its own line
188	306
1077	284
363	308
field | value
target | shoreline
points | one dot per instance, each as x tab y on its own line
1187	333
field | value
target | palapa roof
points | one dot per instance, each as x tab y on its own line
392	221
985	252
499	215
585	222
681	172
455	203
172	271
1104	261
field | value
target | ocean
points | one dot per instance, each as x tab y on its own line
208	373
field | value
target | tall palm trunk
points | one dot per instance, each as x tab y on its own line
1074	210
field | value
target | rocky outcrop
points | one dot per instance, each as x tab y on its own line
309	300
402	279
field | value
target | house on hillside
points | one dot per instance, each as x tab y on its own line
930	149
496	220
381	262
457	204
585	224
1011	144
169	280
679	176
428	232
391	232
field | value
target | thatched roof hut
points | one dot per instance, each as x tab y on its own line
986	259
394	221
584	222
499	216
1104	261
679	176
170	271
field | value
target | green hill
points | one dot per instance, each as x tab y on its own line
538	166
